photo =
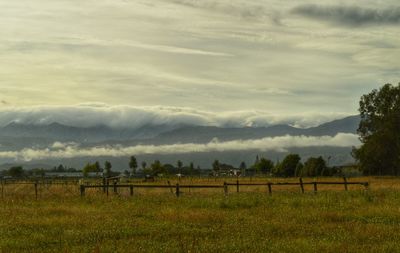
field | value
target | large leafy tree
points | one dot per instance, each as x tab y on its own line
379	131
157	167
288	166
16	171
264	165
90	168
314	166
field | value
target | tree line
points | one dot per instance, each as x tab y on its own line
291	165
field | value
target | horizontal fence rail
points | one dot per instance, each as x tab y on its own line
69	186
225	185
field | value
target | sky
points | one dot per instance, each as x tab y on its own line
306	60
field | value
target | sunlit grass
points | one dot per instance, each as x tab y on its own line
287	221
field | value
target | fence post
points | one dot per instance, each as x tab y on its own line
115	187
131	189
170	187
2	188
82	187
108	185
237	185
36	190
315	186
270	188
225	189
177	192
345	183
301	185
104	185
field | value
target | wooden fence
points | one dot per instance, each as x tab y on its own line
106	185
36	185
225	186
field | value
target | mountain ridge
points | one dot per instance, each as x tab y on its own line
163	134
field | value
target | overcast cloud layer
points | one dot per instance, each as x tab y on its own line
219	56
70	150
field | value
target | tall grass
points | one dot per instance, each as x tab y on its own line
287	221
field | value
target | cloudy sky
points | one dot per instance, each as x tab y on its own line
280	57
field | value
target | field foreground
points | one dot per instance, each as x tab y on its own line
329	221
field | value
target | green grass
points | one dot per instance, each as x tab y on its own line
331	221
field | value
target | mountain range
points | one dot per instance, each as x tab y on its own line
15	136
167	134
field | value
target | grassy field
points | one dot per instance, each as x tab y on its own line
205	221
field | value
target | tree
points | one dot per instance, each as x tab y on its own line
216	166
89	168
288	166
97	167
60	168
16	171
379	131
169	168
179	164
157	168
144	164
133	164
107	169
299	170
242	166
264	165
314	166
191	168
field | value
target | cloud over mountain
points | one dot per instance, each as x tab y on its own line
134	117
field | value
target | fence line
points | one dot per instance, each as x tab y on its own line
225	185
176	189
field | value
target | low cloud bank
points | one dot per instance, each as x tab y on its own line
71	150
134	117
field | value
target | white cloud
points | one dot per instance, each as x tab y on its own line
275	143
63	145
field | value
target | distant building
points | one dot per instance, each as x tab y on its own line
63	174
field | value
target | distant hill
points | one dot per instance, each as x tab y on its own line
59	132
204	134
16	135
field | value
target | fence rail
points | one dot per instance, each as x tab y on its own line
70	187
225	185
